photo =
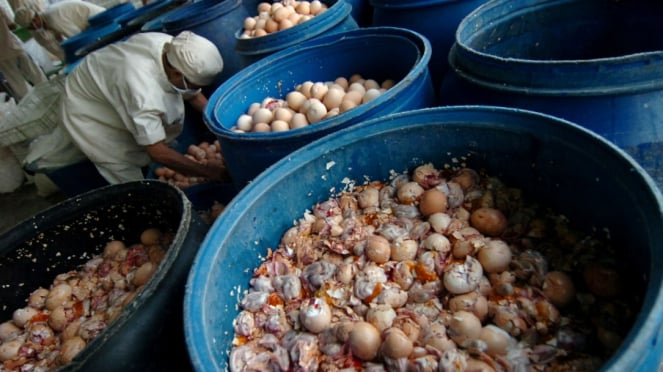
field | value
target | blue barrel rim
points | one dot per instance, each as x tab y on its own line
407	4
126	18
417	40
646	325
204	11
111	13
318	25
534	75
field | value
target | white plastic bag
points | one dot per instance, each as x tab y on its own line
52	151
11	173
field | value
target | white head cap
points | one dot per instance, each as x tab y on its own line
197	58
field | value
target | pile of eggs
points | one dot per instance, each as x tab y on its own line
58	322
280	15
309	103
199	153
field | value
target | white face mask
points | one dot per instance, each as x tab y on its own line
186	92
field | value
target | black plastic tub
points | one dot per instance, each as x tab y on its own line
148	334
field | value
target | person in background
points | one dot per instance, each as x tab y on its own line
124	102
57	22
18	68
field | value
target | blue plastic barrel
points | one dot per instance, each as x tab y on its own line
362	12
109	15
216	21
435	19
337	18
593	62
361	51
136	18
560	164
90	36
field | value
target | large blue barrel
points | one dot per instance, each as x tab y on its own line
362	51
92	35
592	62
560	164
337	18
216	21
147	335
435	19
362	12
137	18
109	15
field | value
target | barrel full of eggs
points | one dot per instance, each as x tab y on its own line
557	163
324	59
68	238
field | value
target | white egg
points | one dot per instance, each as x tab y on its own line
254	106
319	90
316	111
370	95
358	87
263	115
245	122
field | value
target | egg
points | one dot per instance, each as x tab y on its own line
37	298
499	342
8	330
71	348
354	96
9	349
284	114
432	201
305	88
281	13
559	288
286	24
371	84
58	295
319	90
279	126
316	7
303	8
333	98
364	340
473	302
249	23
144	273
315	315
295	100
489	221
333	112
396	344
342	82
357	87
262	128
495	256
316	111
356	78
464	326
404	250
260	32
244	122
263	115
23	315
151	236
298	121
377	249
381	316
370	95
346	105
264	7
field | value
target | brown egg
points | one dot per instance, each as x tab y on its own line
432	201
489	221
7	330
364	341
602	280
58	295
558	288
71	348
499	341
112	248
396	344
150	236
9	349
464	326
377	249
144	273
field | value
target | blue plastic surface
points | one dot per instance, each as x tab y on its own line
136	18
563	165
361	51
215	20
91	35
362	12
591	62
109	15
337	18
435	19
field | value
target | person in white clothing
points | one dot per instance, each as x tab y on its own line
124	102
57	22
20	71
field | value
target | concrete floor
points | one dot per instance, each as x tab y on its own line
24	203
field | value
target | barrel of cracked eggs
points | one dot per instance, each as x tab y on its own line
96	282
443	239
